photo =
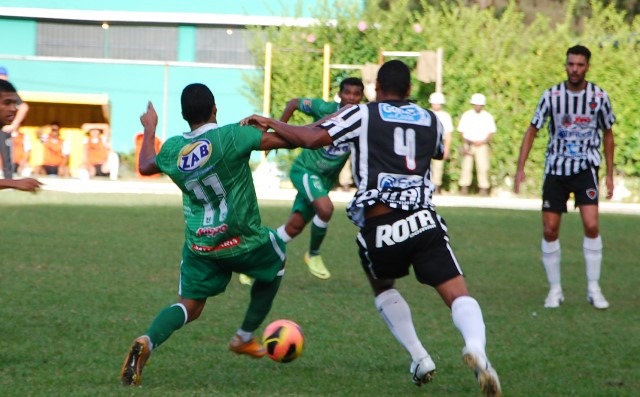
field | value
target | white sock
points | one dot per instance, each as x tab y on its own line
395	311
319	222
551	261
244	335
592	249
467	317
283	234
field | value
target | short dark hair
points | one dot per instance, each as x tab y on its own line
351	81
197	103
5	86
580	50
394	77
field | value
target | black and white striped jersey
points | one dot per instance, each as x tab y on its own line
576	122
392	144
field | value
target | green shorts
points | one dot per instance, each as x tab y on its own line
202	277
310	187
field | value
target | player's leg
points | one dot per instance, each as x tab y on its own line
391	305
320	223
317	189
586	193
266	265
199	279
436	265
555	194
551	257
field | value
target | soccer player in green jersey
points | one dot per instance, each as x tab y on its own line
315	172
223	234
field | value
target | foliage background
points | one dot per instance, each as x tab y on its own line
499	51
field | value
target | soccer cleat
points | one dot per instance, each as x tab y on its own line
554	299
316	266
131	373
244	279
597	300
251	348
485	374
422	371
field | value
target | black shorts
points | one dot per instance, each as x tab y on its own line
98	168
391	243
557	189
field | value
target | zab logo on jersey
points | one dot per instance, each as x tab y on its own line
194	155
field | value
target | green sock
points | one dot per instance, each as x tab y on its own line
262	295
168	320
317	236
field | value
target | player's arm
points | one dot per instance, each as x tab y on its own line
272	141
26	184
527	143
291	107
608	158
310	137
147	158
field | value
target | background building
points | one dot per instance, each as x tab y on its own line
77	61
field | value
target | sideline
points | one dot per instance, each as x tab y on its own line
164	186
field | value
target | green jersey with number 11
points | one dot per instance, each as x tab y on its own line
210	165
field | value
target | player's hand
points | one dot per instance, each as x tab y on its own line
519	178
254	120
28	185
149	119
609	183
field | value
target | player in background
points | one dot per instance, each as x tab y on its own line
580	119
9	129
314	174
224	233
393	142
8	111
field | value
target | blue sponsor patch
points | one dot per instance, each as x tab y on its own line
410	114
388	181
194	155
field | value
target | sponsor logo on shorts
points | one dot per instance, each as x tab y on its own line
194	155
232	242
592	193
404	229
546	204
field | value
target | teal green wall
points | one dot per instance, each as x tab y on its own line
18	36
130	87
186	43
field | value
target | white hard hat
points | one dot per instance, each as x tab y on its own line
436	98
478	99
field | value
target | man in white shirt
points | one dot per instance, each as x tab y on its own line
436	100
477	126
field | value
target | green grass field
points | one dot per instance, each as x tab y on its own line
82	275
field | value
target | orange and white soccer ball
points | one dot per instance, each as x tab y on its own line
284	340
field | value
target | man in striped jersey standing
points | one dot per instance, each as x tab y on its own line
580	118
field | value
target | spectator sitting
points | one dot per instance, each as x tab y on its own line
21	153
56	152
97	149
